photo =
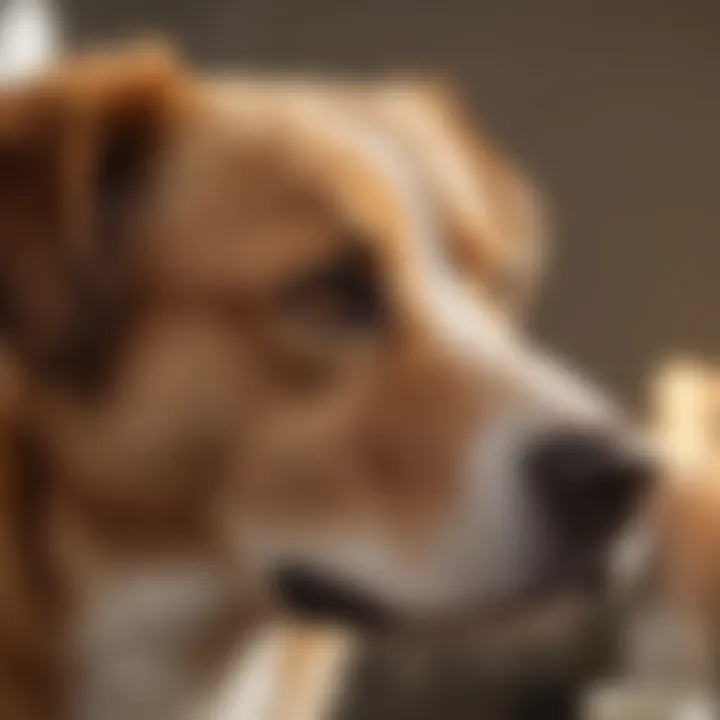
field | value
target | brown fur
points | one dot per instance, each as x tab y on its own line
156	394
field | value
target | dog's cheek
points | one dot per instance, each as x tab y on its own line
172	418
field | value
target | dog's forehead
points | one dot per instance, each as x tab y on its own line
373	153
392	163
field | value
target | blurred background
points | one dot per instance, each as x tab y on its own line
613	107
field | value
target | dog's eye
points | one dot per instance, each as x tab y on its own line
341	295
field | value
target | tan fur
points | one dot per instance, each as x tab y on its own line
165	397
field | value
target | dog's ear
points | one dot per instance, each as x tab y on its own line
493	214
77	149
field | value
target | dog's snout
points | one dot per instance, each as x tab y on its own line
589	484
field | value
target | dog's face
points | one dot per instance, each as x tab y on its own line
279	320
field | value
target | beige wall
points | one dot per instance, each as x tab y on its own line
614	106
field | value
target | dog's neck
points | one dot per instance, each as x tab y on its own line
72	606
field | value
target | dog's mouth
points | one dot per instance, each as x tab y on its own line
313	596
589	579
310	595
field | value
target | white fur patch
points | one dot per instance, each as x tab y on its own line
134	649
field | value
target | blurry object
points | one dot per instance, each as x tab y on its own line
687	415
650	703
312	674
292	671
671	643
685	408
29	37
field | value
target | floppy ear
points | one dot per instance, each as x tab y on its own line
492	212
76	151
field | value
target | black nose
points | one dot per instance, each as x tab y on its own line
590	485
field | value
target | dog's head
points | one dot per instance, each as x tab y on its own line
282	318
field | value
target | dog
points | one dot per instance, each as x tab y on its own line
251	326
